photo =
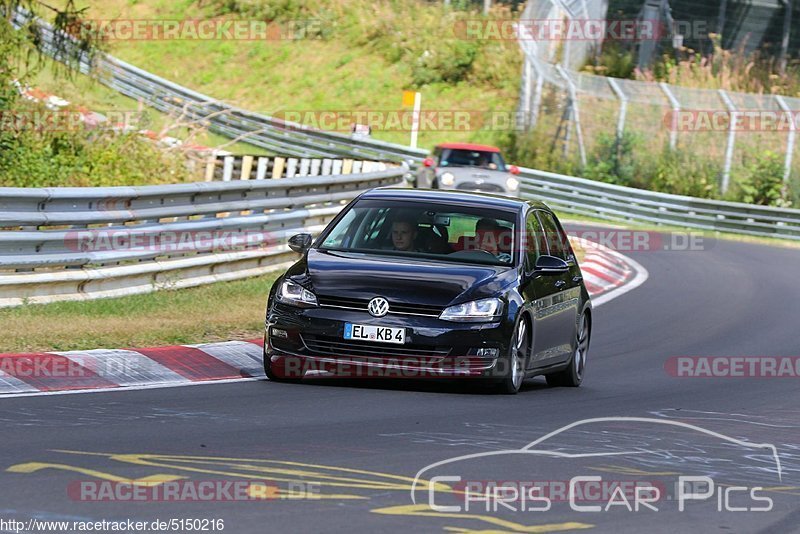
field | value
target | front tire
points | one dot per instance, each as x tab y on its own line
278	375
517	360
572	375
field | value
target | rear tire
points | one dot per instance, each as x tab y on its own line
572	375
517	360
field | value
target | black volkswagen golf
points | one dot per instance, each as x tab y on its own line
420	283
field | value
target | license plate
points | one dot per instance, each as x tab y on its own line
379	334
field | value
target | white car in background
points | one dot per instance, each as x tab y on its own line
468	167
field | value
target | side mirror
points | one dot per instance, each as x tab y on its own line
550	265
428	162
300	243
513	169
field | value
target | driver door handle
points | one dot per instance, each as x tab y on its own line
577	279
560	283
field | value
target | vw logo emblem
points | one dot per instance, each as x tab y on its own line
378	307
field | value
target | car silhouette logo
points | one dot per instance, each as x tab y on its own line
378	307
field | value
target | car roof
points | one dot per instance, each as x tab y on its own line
469	146
456	197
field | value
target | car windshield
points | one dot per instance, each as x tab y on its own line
425	230
452	157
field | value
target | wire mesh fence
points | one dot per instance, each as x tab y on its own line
726	130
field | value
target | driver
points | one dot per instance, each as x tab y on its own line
404	233
488	233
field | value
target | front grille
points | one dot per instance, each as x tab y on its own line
473	186
394	307
366	351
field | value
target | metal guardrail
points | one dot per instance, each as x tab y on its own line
618	203
80	243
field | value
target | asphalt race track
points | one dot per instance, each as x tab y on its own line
335	455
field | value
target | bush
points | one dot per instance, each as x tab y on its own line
535	149
614	61
681	172
43	158
450	64
760	181
629	162
615	161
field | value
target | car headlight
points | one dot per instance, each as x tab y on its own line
473	311
512	184
296	295
447	178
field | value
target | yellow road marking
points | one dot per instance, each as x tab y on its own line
323	479
422	510
149	481
319	474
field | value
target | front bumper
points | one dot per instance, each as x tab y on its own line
301	341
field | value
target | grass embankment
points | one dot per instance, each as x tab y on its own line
365	54
217	312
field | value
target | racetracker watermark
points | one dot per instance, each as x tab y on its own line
721	120
623	240
57	366
377	366
619	240
64	120
176	241
220	490
167	241
402	120
635	30
41	366
733	366
197	30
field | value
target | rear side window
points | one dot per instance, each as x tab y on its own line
556	239
534	240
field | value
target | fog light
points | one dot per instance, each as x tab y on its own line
487	353
283	334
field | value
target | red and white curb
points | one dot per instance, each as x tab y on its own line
115	369
607	275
